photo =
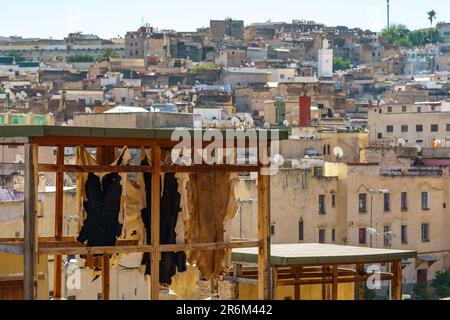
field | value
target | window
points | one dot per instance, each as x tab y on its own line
404	128
419	109
419	128
387	202
387	236
318	172
434	128
363	203
389	129
425	232
403	108
404	234
333	200
426	205
389	109
362	236
322	236
448	128
404	202
272	229
322	204
380	136
333	235
301	230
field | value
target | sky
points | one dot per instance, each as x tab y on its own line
110	18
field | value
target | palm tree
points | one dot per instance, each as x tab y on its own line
107	54
431	17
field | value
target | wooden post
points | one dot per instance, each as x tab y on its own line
59	218
275	275
105	278
297	271
264	236
324	286
155	218
105	156
335	271
237	274
30	223
360	285
397	280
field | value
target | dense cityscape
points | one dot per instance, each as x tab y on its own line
363	125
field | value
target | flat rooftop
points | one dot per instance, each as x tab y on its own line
321	254
31	131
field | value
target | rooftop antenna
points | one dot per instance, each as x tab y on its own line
388	14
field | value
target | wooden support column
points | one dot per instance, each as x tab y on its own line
335	271
264	287
324	286
360	283
275	275
237	274
30	222
297	272
106	278
397	280
155	218
59	218
105	156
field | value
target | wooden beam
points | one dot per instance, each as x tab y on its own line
155	219
264	257
105	278
209	168
96	169
50	168
397	280
30	222
9	249
59	221
12	166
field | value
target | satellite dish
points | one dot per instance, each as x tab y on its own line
267	125
169	95
88	110
236	122
286	123
392	145
338	152
296	164
20	158
401	142
294	123
278	160
419	148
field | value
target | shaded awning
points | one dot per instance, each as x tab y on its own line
430	260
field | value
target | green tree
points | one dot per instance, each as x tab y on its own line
340	63
107	54
397	34
422	292
431	17
441	284
80	58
